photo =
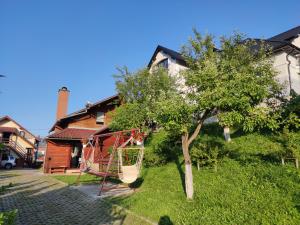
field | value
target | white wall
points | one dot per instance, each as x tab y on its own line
296	41
281	65
173	68
8	123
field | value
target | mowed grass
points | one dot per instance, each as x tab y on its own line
247	189
235	194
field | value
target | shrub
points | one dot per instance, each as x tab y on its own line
251	148
8	218
207	150
290	144
161	147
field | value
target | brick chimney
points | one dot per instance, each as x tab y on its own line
62	103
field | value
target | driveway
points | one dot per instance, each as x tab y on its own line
41	199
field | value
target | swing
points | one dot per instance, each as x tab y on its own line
129	173
120	164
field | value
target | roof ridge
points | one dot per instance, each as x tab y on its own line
286	34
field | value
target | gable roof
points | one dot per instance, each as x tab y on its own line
23	128
84	110
274	45
288	35
173	54
72	133
276	42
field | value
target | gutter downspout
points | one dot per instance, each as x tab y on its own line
289	71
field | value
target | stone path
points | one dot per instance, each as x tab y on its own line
42	200
92	190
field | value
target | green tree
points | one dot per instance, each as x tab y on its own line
235	83
140	91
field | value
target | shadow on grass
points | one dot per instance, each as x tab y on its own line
9	175
165	220
254	158
181	172
296	200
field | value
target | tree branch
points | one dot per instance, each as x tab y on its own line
195	133
197	130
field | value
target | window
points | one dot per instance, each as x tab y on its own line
22	133
163	63
4	157
100	118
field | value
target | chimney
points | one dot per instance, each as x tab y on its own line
62	103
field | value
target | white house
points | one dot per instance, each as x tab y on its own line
286	56
286	52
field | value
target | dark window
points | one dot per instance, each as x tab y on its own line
4	157
163	63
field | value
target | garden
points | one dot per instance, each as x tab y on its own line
241	167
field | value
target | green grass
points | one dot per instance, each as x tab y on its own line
250	187
8	218
84	179
4	188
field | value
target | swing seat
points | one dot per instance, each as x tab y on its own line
129	174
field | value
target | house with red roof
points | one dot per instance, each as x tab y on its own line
70	131
17	141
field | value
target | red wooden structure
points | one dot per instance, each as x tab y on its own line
102	154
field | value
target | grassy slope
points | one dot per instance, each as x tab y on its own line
246	189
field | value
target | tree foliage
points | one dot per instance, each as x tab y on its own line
236	83
140	91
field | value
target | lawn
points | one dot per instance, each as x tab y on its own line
248	188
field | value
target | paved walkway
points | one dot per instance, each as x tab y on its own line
43	200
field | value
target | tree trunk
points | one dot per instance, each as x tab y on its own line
198	165
189	188
227	134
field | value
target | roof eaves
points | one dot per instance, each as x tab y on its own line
82	111
9	118
173	54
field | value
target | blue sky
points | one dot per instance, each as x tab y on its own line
52	43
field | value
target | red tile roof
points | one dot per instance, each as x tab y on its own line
72	133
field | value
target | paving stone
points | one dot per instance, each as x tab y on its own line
41	199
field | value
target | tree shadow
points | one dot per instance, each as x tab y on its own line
165	220
138	183
181	172
296	200
58	204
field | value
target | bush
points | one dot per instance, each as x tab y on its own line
161	147
8	218
290	144
290	113
207	150
251	148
